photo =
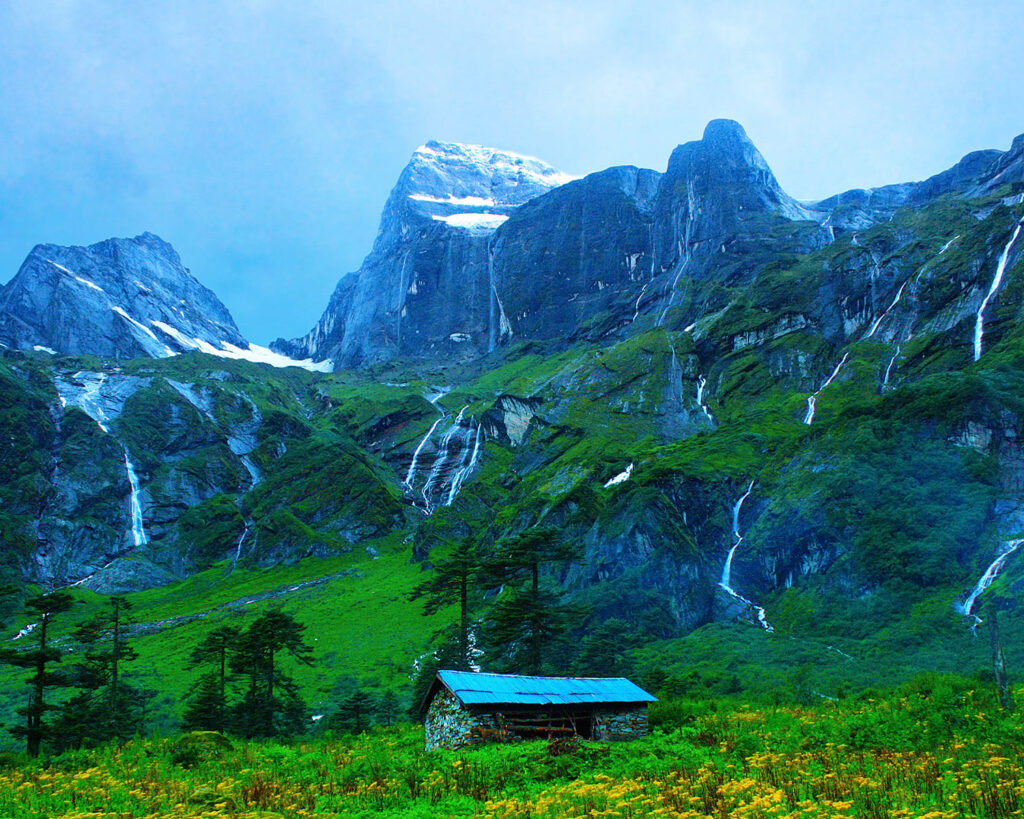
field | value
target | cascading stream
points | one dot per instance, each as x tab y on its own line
89	401
135	505
410	476
991	573
889	309
892	363
466	467
636	304
238	546
726	580
457	455
813	399
701	383
979	324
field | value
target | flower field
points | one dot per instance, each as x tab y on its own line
935	754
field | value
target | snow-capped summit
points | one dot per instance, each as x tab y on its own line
471	186
424	285
121	298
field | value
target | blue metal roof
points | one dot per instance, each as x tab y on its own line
475	688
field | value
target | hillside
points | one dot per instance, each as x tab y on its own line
781	438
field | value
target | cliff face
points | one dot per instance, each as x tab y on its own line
425	289
122	298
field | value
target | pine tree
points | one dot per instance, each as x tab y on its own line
271	705
526	621
208	708
389	708
603	653
106	707
43	609
354	714
452	582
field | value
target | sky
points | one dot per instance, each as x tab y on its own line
261	139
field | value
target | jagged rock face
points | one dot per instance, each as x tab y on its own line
573	254
122	298
425	288
476	249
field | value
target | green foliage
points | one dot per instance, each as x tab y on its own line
271	704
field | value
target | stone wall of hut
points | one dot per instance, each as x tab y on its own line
449	724
611	726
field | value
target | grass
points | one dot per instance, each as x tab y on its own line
935	748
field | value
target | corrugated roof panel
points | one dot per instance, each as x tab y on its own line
475	688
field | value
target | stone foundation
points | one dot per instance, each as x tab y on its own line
451	725
621	725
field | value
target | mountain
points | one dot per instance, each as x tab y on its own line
121	298
461	267
783	438
424	289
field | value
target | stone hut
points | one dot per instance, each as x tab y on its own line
467	708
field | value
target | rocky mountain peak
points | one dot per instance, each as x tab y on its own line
119	298
470	187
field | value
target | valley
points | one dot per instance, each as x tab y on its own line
776	443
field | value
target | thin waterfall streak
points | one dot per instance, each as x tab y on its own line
636	305
701	383
888	370
812	400
889	309
685	251
440	458
996	281
991	573
411	474
238	546
466	469
134	504
738	508
726	580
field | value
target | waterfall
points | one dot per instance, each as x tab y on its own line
831	230
454	460
813	399
895	301
674	368
701	383
238	546
888	370
410	476
685	250
622	477
138	530
636	304
466	467
24	632
433	398
980	321
991	573
498	325
88	399
727	569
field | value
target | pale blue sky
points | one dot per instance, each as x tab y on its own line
261	139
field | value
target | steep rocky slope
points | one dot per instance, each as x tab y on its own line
121	298
739	409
